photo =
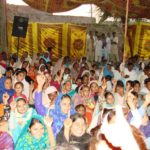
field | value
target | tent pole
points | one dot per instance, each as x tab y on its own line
126	29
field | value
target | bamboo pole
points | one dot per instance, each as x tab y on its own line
126	30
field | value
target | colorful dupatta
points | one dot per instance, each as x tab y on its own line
3	90
14	126
27	142
6	141
58	116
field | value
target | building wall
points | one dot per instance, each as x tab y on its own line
39	16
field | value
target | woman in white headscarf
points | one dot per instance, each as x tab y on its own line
118	132
42	69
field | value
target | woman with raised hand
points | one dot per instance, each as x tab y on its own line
74	132
6	87
132	101
63	106
84	97
140	118
51	93
36	135
63	109
126	139
19	115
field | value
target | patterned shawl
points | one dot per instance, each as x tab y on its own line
58	116
3	90
27	142
6	141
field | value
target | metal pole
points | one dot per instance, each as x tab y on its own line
18	47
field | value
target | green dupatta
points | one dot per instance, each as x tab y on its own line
27	142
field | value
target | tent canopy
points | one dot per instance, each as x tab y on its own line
137	8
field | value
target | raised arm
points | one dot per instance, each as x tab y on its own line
61	73
137	118
5	98
31	87
147	101
67	126
48	122
40	108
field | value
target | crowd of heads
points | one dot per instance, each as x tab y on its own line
73	103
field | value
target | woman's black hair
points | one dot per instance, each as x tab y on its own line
77	116
130	82
79	106
108	93
21	99
20	83
84	86
34	121
120	84
66	82
92	71
14	59
8	78
111	114
10	69
84	76
24	70
108	78
106	111
18	71
67	69
146	81
130	64
66	96
136	82
49	63
43	60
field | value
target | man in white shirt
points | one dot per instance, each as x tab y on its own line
108	45
98	49
143	75
90	47
129	73
117	73
95	36
145	90
27	56
114	47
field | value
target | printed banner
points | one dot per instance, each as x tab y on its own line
65	39
76	41
144	41
138	40
50	35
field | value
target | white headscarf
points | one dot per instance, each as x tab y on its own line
119	133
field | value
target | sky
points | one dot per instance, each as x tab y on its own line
85	9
